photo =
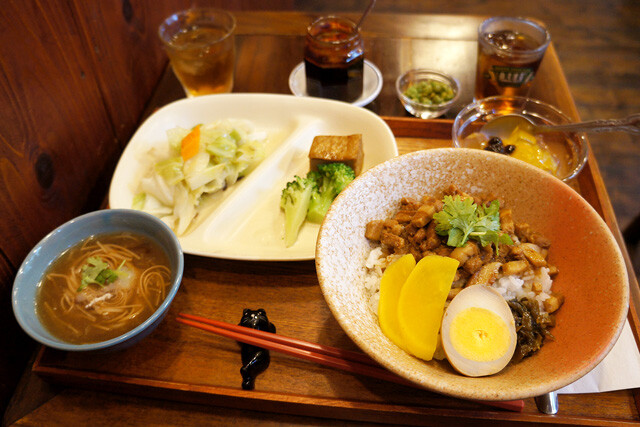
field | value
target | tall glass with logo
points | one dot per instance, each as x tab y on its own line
509	53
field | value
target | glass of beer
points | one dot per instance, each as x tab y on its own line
201	49
509	53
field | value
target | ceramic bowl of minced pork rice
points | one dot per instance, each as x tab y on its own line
472	274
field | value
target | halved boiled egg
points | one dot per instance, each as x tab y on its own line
478	332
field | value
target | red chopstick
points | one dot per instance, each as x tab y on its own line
293	342
357	363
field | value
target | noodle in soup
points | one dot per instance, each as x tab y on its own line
103	287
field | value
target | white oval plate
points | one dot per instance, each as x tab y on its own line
245	221
372	83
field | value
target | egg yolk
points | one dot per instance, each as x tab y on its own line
479	334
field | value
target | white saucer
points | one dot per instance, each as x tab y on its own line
372	84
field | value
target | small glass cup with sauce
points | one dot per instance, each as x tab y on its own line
334	59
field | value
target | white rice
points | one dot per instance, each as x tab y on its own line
533	285
514	287
375	264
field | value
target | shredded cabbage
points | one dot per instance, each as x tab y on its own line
171	170
173	188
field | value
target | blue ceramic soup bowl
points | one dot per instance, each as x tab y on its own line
33	268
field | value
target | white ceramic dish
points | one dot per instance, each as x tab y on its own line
372	83
245	221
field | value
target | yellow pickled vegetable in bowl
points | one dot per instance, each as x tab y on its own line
531	150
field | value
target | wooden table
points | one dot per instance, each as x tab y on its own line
159	383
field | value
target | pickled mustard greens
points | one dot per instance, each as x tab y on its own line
429	92
533	327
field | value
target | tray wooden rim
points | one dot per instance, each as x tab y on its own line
437	129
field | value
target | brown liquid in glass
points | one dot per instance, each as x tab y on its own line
501	75
342	83
334	60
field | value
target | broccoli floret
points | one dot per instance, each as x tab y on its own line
294	201
315	176
331	179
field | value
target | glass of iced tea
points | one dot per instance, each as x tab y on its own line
201	49
509	53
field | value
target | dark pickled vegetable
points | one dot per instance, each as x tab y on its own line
532	327
255	360
495	144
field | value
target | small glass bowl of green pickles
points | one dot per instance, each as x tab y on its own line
427	93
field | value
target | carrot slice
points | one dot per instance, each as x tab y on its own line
190	144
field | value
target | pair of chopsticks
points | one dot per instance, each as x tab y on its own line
350	361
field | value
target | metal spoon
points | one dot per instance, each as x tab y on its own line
503	126
548	403
366	12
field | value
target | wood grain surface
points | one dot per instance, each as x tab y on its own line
75	78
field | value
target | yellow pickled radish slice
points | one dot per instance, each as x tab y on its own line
421	304
390	285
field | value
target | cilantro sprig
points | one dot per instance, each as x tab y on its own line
462	219
98	272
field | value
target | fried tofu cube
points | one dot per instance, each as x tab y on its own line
331	148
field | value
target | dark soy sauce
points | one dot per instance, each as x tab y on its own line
342	83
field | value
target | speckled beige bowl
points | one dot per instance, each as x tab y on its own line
592	274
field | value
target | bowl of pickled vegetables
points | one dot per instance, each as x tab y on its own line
562	154
427	93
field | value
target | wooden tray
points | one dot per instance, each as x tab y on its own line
180	363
